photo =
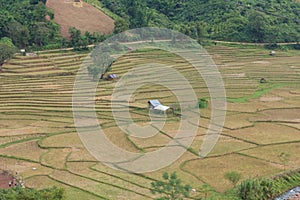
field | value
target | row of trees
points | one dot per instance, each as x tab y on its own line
29	22
80	41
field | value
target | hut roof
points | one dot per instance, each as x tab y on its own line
154	102
157	105
161	107
112	76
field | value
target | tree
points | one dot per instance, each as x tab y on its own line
233	177
19	34
257	26
77	41
40	33
139	15
120	25
39	12
170	188
94	71
5	19
7	50
101	64
75	35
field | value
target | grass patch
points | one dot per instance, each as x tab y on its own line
262	90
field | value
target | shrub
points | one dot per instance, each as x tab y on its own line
253	189
202	103
233	177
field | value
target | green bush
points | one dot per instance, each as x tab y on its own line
233	177
53	193
202	103
296	46
253	189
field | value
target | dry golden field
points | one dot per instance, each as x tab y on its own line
37	128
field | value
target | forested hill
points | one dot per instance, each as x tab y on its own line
231	20
24	21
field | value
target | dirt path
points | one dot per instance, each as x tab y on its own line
254	44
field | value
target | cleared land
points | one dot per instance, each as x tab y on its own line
80	15
39	141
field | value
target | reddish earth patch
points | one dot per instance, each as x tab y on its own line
82	16
5	178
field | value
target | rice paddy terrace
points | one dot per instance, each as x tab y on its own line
38	138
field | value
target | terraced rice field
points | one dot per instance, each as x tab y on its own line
38	138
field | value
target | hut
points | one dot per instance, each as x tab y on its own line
263	80
272	53
111	77
156	105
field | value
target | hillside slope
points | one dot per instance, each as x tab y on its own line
81	16
243	20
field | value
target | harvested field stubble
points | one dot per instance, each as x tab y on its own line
37	127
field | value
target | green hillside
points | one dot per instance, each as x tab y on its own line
28	23
244	20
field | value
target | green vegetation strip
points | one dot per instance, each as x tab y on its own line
19	141
262	90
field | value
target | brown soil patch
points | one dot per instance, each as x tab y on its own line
295	92
50	86
283	115
84	17
268	99
261	62
5	178
103	98
266	133
239	75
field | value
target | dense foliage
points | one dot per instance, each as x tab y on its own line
30	194
253	189
7	50
81	41
244	20
24	21
28	23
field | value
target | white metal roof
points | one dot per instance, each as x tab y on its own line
161	107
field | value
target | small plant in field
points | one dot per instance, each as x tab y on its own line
284	158
233	177
206	190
